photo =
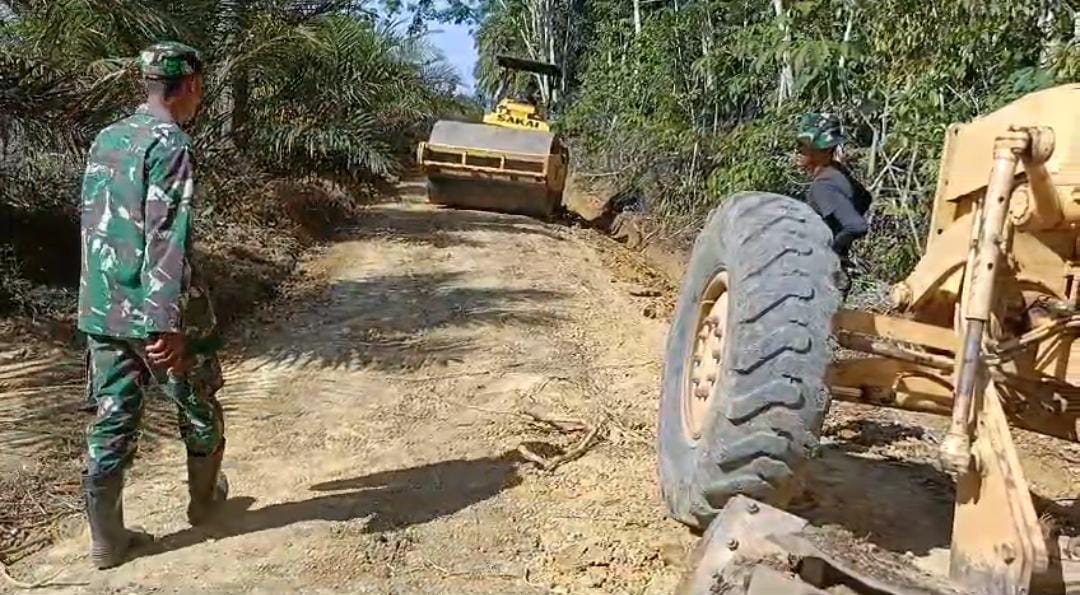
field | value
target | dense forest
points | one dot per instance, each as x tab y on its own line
316	98
673	104
681	102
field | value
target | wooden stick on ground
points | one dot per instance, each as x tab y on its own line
7	553
21	585
625	429
571	455
559	424
562	425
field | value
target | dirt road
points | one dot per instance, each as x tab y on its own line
375	418
374	426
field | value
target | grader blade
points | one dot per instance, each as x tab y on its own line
752	548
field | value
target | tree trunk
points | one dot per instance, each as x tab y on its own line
1049	42
847	34
241	95
786	82
235	99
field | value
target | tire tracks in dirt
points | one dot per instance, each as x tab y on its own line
373	431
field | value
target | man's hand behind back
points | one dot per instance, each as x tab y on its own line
168	351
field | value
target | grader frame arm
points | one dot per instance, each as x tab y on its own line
984	329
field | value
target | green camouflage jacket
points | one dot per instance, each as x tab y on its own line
137	193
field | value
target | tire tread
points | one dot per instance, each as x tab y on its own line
776	251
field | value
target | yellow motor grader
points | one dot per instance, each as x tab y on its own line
984	331
511	162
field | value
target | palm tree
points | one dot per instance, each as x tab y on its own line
296	89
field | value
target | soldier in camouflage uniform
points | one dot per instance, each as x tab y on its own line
146	315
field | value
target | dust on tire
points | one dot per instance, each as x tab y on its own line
766	409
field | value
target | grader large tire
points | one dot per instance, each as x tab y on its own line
742	398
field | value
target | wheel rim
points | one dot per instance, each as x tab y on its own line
707	356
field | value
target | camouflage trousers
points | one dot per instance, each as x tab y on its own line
119	375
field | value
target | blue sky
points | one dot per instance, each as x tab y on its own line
456	43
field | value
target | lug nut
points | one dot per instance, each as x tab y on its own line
753	508
733	544
1008	554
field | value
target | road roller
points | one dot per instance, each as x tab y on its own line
511	162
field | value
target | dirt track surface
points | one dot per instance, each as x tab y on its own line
373	429
375	415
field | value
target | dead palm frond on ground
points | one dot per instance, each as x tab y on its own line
298	92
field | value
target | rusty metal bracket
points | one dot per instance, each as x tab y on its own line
752	548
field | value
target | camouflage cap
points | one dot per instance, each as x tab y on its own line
169	60
821	131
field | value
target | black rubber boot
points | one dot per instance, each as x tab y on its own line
207	485
110	541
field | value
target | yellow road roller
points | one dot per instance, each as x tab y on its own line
511	162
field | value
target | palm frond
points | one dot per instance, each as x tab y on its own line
304	88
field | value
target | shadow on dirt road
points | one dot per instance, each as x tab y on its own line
391	322
390	500
880	482
443	228
871	497
875	476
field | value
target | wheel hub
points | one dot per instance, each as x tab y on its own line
706	365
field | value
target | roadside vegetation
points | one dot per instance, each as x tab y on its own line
673	105
309	107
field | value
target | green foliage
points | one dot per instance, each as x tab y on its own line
295	90
702	101
358	126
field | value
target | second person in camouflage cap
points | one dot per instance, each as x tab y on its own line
821	131
840	199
